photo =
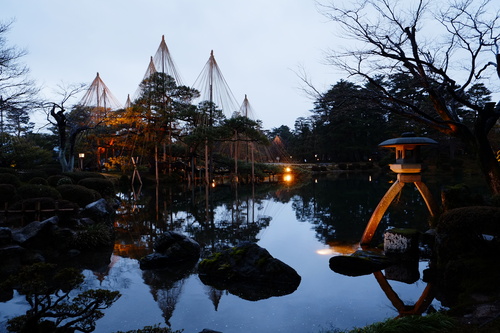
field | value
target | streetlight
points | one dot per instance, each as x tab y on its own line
81	156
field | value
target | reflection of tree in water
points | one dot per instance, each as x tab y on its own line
339	209
166	287
225	216
216	218
214	295
167	299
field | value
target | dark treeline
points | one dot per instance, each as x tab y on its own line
347	123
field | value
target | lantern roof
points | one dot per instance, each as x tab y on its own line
407	138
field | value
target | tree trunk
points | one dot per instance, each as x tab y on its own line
490	167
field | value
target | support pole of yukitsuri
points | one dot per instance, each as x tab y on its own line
407	167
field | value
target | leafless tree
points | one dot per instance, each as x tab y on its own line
446	46
67	129
18	93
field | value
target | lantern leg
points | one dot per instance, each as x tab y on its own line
379	212
428	199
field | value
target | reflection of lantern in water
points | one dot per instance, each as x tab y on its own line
341	248
288	176
407	167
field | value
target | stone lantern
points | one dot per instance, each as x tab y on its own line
407	167
407	152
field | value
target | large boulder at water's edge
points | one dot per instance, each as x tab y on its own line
100	210
44	235
172	249
360	263
249	271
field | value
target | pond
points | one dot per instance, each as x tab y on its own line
302	225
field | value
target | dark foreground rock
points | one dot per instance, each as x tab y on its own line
172	250
360	263
250	272
57	240
468	248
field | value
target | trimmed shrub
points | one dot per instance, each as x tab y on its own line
51	169
459	195
37	191
79	175
8	170
9	178
52	180
7	193
26	175
38	180
94	236
64	181
78	194
105	187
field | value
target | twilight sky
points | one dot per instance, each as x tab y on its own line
257	44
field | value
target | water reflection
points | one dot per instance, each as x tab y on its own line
418	308
216	218
336	208
301	224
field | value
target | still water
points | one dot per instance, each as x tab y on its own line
302	225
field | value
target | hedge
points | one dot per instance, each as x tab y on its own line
39	181
78	194
37	191
9	178
104	186
7	193
79	175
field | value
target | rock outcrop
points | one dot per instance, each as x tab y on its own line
172	250
250	272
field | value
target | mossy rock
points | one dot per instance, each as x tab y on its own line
249	271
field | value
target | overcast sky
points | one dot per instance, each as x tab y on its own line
258	44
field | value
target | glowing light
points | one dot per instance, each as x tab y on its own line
288	169
325	252
339	248
287	178
213	183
